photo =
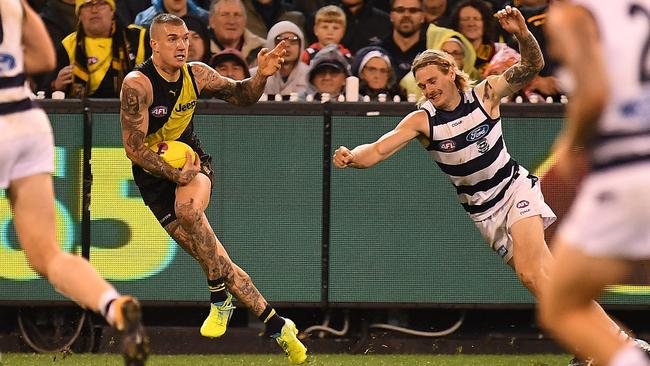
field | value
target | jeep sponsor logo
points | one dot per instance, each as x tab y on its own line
522	204
186	106
447	146
477	133
159	111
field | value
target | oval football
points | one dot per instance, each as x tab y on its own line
173	152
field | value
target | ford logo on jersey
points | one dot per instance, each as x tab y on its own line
447	146
159	111
7	62
477	133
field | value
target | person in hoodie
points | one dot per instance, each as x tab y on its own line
292	76
327	74
373	67
180	8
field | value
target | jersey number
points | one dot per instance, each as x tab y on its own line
643	69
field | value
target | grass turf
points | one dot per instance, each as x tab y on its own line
22	359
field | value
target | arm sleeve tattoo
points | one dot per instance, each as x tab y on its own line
242	93
532	61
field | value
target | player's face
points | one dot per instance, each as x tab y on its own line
376	73
172	45
329	33
437	86
470	23
406	16
329	80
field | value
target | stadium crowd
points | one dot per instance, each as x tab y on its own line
99	41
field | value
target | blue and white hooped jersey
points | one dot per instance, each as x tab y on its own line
623	135
14	92
468	146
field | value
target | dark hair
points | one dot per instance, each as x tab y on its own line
165	18
483	7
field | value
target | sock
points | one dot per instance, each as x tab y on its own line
273	321
105	302
629	356
218	291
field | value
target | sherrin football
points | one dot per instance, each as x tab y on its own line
173	152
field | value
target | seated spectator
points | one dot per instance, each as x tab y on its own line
230	63
59	18
228	25
100	53
436	12
199	40
373	67
180	8
327	74
454	47
329	29
366	24
292	76
473	18
436	38
261	15
407	39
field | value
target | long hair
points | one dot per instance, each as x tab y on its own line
445	63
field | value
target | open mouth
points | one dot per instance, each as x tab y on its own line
180	57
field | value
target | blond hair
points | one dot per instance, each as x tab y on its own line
445	62
330	14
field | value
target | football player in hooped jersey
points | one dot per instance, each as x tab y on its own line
157	102
461	126
603	44
26	167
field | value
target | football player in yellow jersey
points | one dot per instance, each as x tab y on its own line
179	198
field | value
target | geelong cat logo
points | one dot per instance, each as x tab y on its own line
477	133
159	111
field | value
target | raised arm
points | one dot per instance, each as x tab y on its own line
247	91
520	74
39	51
135	99
364	156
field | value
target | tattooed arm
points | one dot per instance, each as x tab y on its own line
135	99
492	89
242	93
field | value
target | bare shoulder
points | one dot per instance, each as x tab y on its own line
417	121
137	83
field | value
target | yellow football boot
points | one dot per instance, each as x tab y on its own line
216	323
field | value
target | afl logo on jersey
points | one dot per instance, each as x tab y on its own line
522	204
92	60
447	146
7	62
477	133
159	111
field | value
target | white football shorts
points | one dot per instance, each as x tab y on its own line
26	145
611	214
524	199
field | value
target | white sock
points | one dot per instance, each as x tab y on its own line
107	297
629	356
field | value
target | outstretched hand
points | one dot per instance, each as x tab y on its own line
269	62
511	20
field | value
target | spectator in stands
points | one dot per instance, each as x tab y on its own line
329	28
126	10
373	67
327	73
365	24
199	40
230	63
454	47
180	8
436	12
94	60
228	25
408	38
59	18
474	19
292	76
261	15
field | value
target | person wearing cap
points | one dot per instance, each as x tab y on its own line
230	63
228	30
292	76
180	8
327	73
94	60
373	67
199	39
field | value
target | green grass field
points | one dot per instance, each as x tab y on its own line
22	359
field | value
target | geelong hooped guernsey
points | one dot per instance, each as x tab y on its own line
14	91
468	146
623	135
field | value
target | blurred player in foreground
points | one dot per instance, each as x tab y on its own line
26	165
604	45
158	101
